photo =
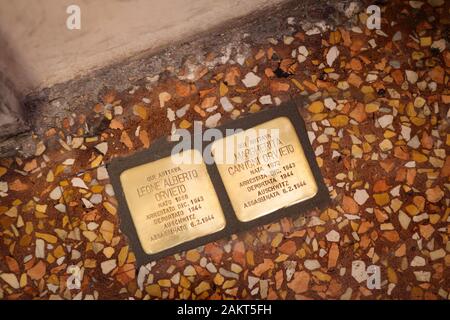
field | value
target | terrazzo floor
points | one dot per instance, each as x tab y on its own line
377	115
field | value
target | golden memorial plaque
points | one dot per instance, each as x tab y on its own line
255	170
270	170
171	203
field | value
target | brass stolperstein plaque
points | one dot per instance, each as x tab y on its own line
270	170
171	203
242	174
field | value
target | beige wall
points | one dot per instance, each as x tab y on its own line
37	50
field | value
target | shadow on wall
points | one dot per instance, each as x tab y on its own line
13	120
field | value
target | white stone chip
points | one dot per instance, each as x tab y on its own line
252	281
102	147
69	162
79	183
267	99
226	104
332	54
329	103
437	254
361	196
385	120
411	76
61	207
143	272
414	142
406	133
251	80
56	193
311	264
170	115
303	51
182	111
39	251
212	121
102	173
10	279
108	265
418	261
333	236
439	44
423	276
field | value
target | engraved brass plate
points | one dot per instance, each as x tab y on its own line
269	171
171	203
263	168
